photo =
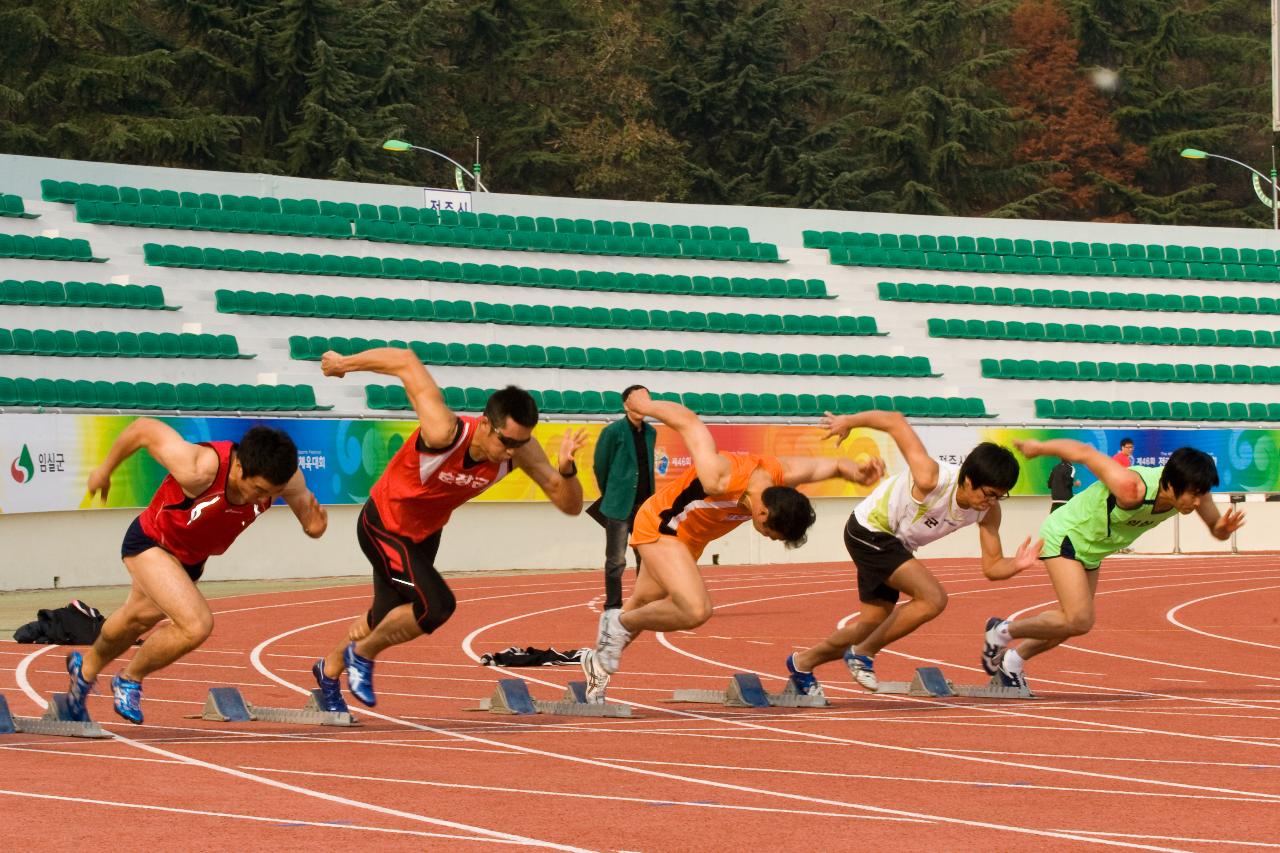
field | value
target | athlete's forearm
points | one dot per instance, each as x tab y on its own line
390	361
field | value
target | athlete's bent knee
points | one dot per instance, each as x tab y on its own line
1079	623
696	614
934	602
441	611
197	629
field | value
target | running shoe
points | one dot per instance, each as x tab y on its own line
862	668
992	648
611	640
128	696
79	689
597	678
359	676
330	689
1012	679
804	682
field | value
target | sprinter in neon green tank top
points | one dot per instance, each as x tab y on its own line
1101	520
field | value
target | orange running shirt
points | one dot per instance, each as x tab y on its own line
684	510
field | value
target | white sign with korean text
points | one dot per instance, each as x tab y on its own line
447	199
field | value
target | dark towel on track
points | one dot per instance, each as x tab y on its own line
77	624
516	656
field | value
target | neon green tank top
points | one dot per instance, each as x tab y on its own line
1098	527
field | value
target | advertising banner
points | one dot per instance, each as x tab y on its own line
47	458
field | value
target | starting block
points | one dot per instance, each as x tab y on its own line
511	696
746	691
929	681
56	721
226	705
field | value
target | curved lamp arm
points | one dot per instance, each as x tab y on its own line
401	145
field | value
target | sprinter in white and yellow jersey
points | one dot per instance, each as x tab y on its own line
910	509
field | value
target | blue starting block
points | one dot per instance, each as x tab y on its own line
512	697
57	721
745	691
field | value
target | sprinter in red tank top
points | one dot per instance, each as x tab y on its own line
212	493
445	462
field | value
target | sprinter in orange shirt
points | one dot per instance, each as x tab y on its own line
718	493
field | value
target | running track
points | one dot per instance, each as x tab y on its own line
1157	731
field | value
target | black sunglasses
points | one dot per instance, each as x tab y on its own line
509	442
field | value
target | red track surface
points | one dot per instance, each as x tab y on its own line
1158	730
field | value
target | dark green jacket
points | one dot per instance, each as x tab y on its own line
616	468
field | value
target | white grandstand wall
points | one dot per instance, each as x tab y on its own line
37	547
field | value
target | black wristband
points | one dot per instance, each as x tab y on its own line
573	472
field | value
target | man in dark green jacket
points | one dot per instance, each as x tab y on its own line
624	473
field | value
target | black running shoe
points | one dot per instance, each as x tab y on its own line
992	649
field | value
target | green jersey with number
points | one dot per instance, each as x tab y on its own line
1096	526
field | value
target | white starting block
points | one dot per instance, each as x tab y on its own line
511	696
56	721
746	691
226	705
929	681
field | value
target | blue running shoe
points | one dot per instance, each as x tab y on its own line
359	676
992	648
330	689
862	668
804	682
79	689
128	695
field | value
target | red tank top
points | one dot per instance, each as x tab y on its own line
194	529
419	491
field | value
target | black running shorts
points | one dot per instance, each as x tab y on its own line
877	555
136	541
404	572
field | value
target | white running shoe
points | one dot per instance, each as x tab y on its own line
611	640
862	668
597	678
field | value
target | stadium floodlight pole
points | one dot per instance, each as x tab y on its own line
1197	154
401	145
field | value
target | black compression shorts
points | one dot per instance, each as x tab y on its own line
404	572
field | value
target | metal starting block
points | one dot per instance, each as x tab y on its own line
746	691
56	721
226	705
929	681
511	696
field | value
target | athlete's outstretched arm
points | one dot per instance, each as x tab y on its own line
713	469
192	466
561	484
814	469
995	565
1221	525
310	514
1126	485
923	467
437	421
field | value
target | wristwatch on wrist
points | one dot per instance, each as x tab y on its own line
573	470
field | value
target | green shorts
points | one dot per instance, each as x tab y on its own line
1061	545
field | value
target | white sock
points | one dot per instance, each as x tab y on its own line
1012	662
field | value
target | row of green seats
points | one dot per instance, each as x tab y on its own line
1101	300
163	396
162	216
1109	371
1095	334
71	192
45	248
916	259
616	358
65	342
83	294
463	311
293	263
1143	410
539	241
11	205
472	399
946	244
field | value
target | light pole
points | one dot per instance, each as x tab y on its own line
1197	154
401	145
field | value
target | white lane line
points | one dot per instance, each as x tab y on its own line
1177	838
1172	617
1196	763
283	822
467	647
21	676
1181	680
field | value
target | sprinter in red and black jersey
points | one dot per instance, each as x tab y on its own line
212	493
446	461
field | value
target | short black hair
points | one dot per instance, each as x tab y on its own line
1189	470
268	453
990	466
626	392
790	514
514	403
1124	441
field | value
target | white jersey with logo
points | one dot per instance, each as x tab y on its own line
892	509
